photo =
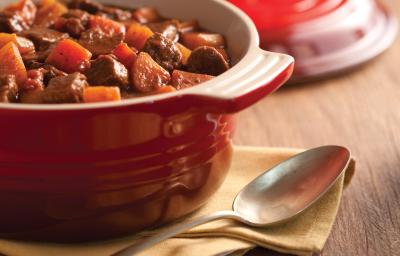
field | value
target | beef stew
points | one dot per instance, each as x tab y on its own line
85	52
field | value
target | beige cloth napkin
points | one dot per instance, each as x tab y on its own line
303	235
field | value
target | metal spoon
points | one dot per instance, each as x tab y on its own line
278	195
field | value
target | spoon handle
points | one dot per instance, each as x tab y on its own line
175	230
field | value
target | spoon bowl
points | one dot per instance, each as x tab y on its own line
276	196
291	187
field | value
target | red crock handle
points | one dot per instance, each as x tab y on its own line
258	75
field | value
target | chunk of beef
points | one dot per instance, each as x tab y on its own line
207	60
164	52
34	81
147	76
65	89
11	22
168	29
26	8
99	43
89	6
36	57
30	96
24	45
71	26
42	37
18	17
33	64
8	89
225	55
49	12
115	13
30	59
181	79
74	22
50	72
40	75
107	71
77	14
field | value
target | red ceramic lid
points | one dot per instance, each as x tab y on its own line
324	36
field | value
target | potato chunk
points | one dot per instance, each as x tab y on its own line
193	40
147	76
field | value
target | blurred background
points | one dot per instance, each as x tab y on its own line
358	108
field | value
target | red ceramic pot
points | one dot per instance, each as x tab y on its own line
86	172
324	36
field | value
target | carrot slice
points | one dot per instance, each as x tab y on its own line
69	56
101	94
185	53
125	54
166	89
137	35
24	45
107	26
12	63
47	2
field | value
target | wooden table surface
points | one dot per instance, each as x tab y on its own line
360	110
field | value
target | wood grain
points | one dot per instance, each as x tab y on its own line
360	110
